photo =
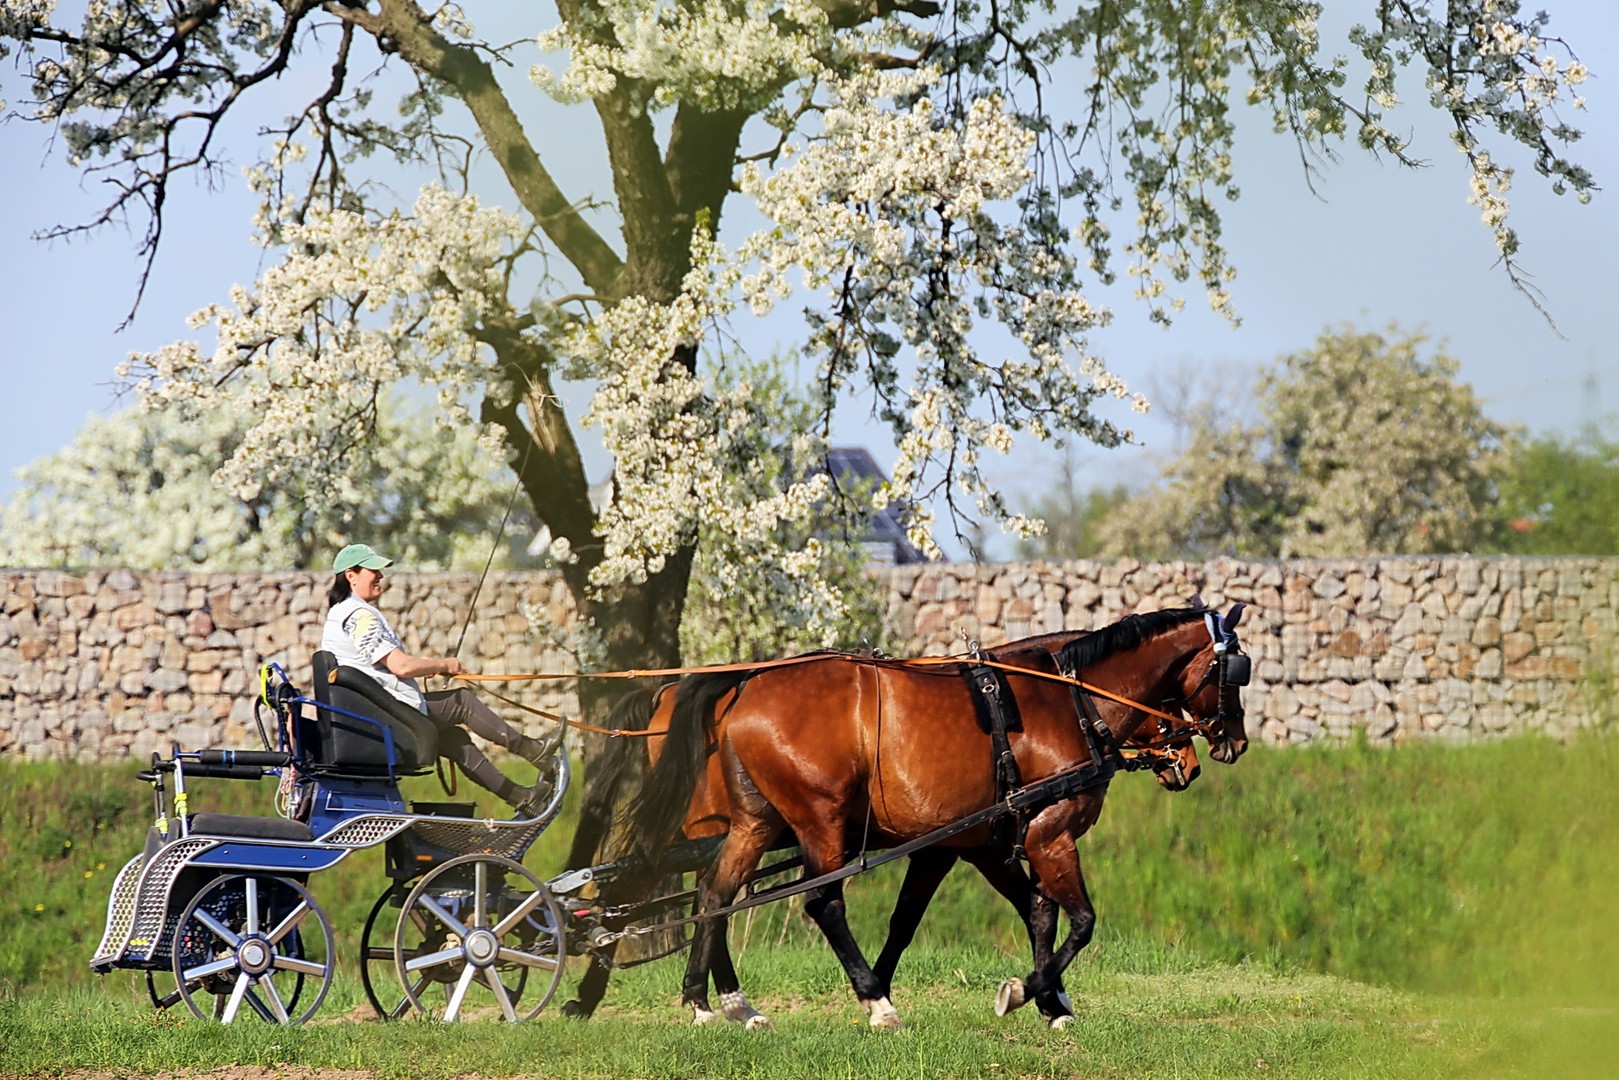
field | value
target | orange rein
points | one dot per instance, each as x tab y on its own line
640	673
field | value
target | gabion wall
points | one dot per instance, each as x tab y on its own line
111	664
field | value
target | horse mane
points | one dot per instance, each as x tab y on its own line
1128	633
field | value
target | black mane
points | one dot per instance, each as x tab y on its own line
1127	633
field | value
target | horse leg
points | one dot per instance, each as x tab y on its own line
822	845
1039	917
1055	862
924	873
744	846
734	1004
592	987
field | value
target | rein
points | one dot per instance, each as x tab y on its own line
1197	725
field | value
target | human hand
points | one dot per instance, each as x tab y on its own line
452	666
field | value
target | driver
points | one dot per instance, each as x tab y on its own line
360	636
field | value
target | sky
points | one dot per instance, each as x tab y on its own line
1373	244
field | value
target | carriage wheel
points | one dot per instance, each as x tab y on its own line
377	971
254	940
377	961
481	926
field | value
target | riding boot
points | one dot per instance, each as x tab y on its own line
531	800
536	751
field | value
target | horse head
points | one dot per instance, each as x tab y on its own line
1211	692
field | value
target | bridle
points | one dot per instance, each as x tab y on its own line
1231	670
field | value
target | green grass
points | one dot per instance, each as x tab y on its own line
1214	1021
1422	911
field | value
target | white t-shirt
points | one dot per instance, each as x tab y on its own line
359	636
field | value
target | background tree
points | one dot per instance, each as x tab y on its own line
136	490
919	169
1363	447
1560	495
1072	514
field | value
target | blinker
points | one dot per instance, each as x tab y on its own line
1238	669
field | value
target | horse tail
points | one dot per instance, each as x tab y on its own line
608	773
652	815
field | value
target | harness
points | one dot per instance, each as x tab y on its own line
998	714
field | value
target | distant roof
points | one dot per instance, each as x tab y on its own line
855	462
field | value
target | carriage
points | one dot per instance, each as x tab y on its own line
217	910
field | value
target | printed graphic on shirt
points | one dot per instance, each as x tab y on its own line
370	635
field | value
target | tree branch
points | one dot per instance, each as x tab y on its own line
401	26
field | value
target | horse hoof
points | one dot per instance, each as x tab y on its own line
575	1009
757	1022
884	1017
1012	995
701	1017
1057	1023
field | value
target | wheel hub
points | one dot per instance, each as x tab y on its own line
254	955
481	947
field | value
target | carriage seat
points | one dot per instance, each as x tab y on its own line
274	829
349	747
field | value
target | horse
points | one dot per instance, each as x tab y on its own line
1173	760
865	764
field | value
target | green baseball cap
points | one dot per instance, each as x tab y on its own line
359	555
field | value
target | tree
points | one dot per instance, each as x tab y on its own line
1072	517
921	173
135	490
1560	496
741	605
1363	447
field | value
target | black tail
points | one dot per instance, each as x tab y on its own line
618	762
652	815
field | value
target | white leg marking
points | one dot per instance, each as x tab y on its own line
1060	1022
884	1017
1010	997
738	1009
701	1015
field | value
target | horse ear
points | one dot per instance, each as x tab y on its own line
1228	624
1196	602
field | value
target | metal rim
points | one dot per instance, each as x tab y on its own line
472	924
242	932
375	954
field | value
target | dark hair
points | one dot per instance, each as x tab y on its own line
339	592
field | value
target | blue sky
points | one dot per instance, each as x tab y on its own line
1376	243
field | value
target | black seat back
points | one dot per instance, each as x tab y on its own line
353	747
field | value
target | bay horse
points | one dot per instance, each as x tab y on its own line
851	754
1171	757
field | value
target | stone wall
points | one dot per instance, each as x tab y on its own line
105	664
1405	648
108	664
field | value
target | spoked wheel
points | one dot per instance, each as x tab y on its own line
487	931
377	971
254	940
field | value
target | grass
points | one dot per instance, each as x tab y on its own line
1422	911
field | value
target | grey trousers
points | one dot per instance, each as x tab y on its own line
458	711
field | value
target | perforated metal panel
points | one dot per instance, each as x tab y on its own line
362	832
120	912
153	918
484	837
